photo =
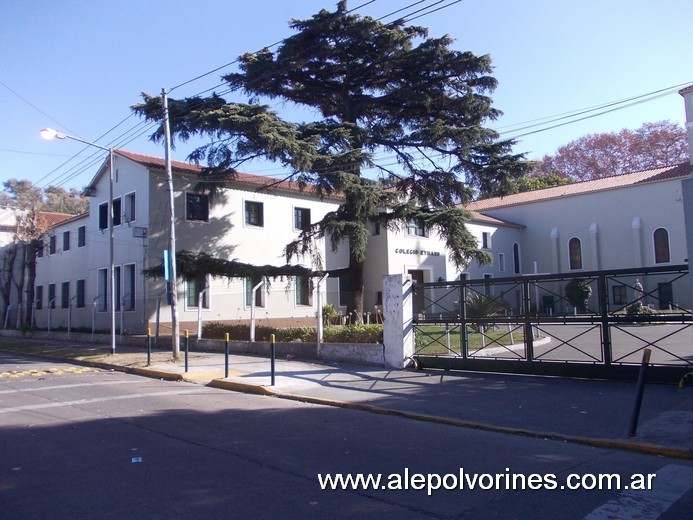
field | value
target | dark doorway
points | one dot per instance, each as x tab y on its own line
417	277
666	295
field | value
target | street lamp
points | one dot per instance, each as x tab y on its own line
49	134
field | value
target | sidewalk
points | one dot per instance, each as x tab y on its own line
591	412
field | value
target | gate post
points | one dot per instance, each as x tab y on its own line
398	328
527	311
603	289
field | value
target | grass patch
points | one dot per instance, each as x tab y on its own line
433	340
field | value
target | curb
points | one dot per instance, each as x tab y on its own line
638	447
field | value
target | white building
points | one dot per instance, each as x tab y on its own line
636	220
251	222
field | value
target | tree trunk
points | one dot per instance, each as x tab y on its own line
20	286
31	281
352	282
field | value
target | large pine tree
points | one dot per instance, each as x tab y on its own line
381	90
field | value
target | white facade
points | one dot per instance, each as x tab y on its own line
243	223
634	220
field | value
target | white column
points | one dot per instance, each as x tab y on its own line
594	243
555	251
636	225
398	334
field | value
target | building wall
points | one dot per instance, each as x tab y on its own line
228	235
64	266
615	228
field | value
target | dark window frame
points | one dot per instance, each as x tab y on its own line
254	213
81	293
575	254
81	236
301	219
196	207
662	249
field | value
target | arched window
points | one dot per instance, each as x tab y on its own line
516	258
661	246
575	253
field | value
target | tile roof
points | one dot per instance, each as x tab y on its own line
580	188
242	178
52	219
485	219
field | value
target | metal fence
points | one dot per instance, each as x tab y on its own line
587	324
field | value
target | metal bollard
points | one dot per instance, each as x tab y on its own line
149	346
273	355
226	355
187	342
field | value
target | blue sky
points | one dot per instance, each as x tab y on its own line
78	66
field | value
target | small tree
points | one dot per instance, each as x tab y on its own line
481	306
653	145
577	292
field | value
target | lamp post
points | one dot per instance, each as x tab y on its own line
49	134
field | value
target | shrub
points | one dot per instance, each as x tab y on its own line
577	292
638	310
355	333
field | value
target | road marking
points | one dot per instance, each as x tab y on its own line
14	374
97	400
672	482
60	387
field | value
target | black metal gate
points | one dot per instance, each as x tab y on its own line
587	324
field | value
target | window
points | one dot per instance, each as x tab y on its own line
129	287
53	245
103	215
575	253
51	296
117	212
197	207
301	219
249	284
415	227
254	214
66	241
661	246
619	294
486	240
81	285
65	295
303	292
501	262
38	297
516	258
39	248
102	289
116	285
129	209
193	287
81	236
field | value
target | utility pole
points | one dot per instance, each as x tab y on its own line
175	333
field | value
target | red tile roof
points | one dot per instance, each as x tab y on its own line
579	188
242	178
52	219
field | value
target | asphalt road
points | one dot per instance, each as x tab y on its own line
88	443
